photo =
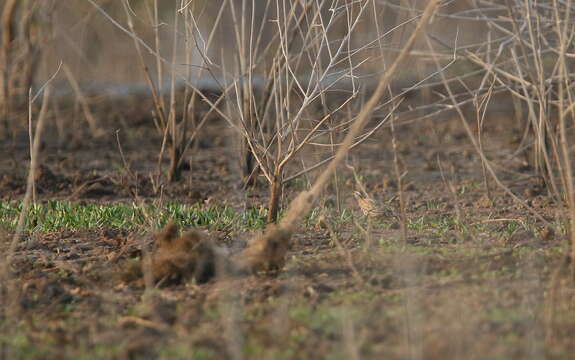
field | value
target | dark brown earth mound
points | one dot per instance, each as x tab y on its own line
193	255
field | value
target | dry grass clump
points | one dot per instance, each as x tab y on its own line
266	252
179	257
193	255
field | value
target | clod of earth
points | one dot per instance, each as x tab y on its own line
193	255
190	255
266	252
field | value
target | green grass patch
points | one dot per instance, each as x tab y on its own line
52	216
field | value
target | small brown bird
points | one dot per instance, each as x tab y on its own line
373	208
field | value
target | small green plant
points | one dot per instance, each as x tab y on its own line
53	216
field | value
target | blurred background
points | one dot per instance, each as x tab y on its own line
98	52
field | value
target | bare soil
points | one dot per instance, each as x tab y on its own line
472	282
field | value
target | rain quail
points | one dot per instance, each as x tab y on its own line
373	208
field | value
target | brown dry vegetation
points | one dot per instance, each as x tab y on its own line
475	265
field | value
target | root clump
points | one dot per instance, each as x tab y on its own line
193	255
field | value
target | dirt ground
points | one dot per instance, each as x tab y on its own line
473	281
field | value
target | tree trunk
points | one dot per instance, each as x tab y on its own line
275	196
7	32
248	163
175	171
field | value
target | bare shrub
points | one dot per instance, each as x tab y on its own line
280	81
178	128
